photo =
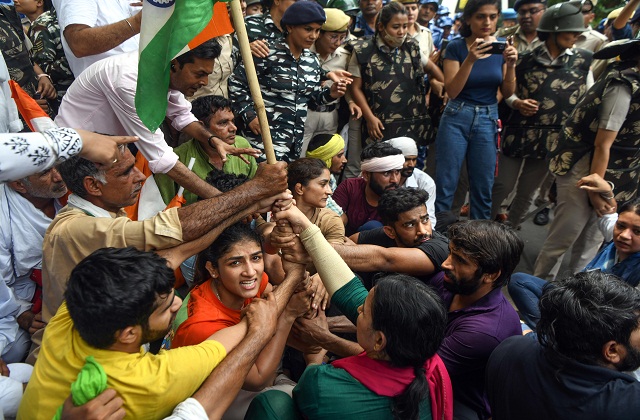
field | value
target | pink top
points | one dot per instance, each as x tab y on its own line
102	99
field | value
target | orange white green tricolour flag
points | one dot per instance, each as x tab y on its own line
171	28
33	115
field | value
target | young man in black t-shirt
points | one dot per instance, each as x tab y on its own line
405	244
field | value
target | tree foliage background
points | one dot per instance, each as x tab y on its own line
602	8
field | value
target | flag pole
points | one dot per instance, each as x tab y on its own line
252	79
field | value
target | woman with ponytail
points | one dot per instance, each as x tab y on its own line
400	325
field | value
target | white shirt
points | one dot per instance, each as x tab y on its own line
102	99
94	13
9	119
423	181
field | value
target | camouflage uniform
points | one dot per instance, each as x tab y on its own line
393	83
557	89
519	40
287	85
577	139
556	85
14	50
48	53
262	27
574	224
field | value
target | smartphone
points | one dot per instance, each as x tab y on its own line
497	47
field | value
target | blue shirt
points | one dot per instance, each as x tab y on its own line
360	27
437	34
485	77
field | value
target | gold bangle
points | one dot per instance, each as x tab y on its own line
132	30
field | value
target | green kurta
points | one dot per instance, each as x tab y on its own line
202	167
327	392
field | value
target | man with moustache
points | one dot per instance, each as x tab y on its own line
588	337
358	197
102	99
27	207
482	256
405	244
94	218
525	35
116	301
414	177
426	16
365	24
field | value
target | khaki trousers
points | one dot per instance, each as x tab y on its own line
574	223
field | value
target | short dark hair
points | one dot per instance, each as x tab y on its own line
470	9
319	140
379	149
492	245
74	170
397	201
115	288
229	237
225	182
413	319
208	50
205	107
304	170
581	313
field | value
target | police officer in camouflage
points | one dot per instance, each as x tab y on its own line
16	54
602	135
389	87
47	50
550	79
267	26
290	76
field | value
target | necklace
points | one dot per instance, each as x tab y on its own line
215	290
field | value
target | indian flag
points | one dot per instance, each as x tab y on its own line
170	28
33	115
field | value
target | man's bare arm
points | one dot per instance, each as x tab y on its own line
370	258
199	218
85	40
191	182
223	384
178	254
197	131
315	331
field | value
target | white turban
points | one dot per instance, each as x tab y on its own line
406	144
382	164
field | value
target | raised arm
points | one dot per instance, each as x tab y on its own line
17	150
249	198
371	258
457	74
85	40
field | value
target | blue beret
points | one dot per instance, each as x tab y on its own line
509	14
303	12
519	3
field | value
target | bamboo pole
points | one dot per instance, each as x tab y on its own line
252	79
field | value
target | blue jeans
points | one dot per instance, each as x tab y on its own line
525	291
469	131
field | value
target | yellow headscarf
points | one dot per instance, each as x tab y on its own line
328	150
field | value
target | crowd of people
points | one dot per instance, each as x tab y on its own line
174	274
